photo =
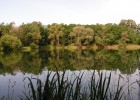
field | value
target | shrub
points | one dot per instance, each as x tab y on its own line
10	42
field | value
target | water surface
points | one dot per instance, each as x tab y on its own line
15	66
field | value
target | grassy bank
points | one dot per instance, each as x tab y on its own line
128	47
95	47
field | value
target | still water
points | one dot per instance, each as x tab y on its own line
15	66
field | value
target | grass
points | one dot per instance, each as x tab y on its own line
60	87
113	47
128	47
133	47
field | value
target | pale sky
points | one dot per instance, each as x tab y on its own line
69	11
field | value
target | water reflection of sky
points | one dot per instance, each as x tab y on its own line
14	86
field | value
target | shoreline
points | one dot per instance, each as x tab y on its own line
95	47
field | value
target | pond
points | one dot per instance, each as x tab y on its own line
17	67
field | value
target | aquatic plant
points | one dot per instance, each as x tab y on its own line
58	86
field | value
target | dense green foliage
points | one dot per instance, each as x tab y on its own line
35	34
82	35
10	42
56	31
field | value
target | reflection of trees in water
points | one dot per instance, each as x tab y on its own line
112	60
59	59
128	61
125	61
25	62
82	60
70	60
34	62
10	58
31	63
9	62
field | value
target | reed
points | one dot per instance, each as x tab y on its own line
60	87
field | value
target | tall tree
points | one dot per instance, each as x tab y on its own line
78	34
56	31
30	33
82	35
89	33
66	38
6	28
129	23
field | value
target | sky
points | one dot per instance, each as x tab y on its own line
69	11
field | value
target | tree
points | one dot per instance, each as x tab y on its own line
101	38
134	38
10	42
5	28
129	23
67	40
30	33
78	34
82	35
56	31
34	37
123	40
44	36
89	33
124	37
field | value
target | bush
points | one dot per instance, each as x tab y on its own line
9	42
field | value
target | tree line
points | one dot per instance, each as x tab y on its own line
36	34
